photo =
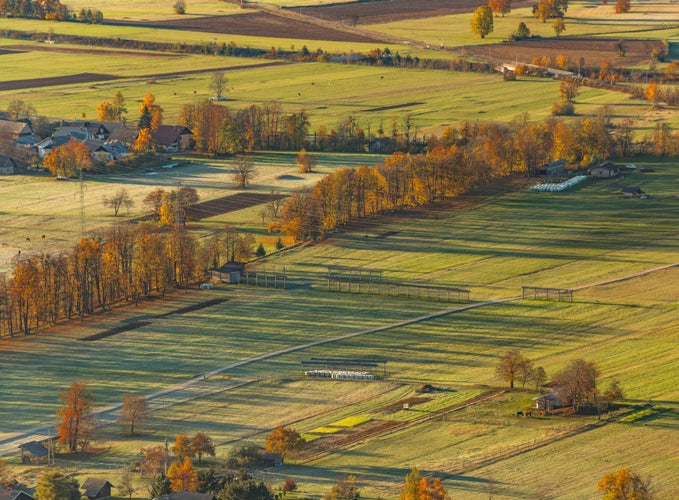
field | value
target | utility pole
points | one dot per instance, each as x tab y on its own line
82	204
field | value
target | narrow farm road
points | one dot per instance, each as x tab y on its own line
203	385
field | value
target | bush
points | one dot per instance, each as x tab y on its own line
290	485
244	456
563	109
179	7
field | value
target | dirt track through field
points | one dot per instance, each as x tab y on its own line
204	385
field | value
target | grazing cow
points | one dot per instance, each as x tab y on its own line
519	414
28	239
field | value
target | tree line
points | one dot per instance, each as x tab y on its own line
124	263
51	10
460	159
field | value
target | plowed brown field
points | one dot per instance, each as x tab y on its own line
593	51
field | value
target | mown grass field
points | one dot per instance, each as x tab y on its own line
652	19
492	244
37	205
328	93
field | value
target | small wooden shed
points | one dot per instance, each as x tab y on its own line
606	170
33	452
96	488
228	273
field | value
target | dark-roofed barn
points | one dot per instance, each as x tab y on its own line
171	138
96	488
33	452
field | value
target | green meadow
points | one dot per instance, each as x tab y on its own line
328	93
491	244
618	255
646	20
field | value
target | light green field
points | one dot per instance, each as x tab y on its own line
155	10
647	20
329	93
125	64
569	239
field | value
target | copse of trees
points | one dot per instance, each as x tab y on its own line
39	9
217	130
461	159
128	263
515	367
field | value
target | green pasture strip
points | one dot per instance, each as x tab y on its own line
310	438
351	421
438	402
522	238
153	11
490	430
208	341
144	34
123	63
462	348
329	93
582	19
639	415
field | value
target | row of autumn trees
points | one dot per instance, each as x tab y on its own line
462	158
125	263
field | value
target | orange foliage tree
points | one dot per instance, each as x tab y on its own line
143	142
624	485
76	416
284	440
68	159
417	487
500	6
183	447
150	113
182	476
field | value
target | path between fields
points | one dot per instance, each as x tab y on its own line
202	385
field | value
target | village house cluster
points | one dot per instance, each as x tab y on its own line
21	146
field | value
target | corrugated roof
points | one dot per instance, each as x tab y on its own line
35	449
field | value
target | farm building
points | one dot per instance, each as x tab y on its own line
49	143
10	494
85	130
547	402
554	168
33	452
96	488
228	273
606	170
8	165
15	130
171	138
105	151
633	192
271	459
